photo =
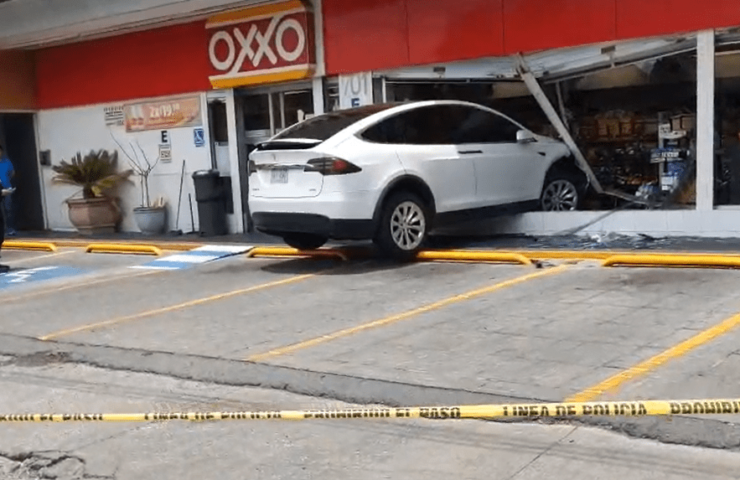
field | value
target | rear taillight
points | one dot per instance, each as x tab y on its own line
251	167
331	166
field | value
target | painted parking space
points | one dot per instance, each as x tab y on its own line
189	259
541	332
26	276
68	267
33	272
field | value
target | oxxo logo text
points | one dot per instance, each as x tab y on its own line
264	44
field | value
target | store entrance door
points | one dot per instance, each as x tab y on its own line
263	114
18	136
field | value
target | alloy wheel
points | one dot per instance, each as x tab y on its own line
560	196
408	226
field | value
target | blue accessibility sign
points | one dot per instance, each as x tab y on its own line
32	275
199	135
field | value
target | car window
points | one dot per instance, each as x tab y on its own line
481	126
323	127
433	125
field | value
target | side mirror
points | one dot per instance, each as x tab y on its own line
525	136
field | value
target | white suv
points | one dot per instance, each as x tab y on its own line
392	172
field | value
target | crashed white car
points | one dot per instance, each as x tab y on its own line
393	172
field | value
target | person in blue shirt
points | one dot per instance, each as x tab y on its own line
7	172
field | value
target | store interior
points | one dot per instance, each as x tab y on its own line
634	124
727	108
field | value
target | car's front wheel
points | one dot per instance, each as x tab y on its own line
403	226
560	193
305	241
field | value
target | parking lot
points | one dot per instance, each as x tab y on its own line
117	333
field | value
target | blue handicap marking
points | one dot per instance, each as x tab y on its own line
207	253
39	274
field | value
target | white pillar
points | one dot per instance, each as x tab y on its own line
318	81
705	121
318	95
318	16
236	188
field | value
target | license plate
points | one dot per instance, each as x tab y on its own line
279	175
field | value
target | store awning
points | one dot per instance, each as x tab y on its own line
30	24
550	65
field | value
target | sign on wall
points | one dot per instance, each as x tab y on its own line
355	90
166	114
114	116
199	137
165	153
267	43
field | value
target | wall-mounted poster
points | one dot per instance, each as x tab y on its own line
114	116
167	114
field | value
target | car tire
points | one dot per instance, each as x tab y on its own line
404	226
305	241
561	192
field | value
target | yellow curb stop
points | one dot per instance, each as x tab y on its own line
123	248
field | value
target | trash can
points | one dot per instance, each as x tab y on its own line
211	203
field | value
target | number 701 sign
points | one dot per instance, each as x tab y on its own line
355	90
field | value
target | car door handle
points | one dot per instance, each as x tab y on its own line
470	152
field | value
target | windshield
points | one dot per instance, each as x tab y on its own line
325	126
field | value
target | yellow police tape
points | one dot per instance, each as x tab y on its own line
538	410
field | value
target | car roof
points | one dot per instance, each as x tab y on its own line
389	109
370	115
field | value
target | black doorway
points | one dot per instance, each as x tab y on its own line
18	136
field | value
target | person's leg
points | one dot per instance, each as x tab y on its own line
9	215
3	268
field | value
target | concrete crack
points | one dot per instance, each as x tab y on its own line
49	465
542	453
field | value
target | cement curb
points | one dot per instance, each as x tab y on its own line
681	430
608	258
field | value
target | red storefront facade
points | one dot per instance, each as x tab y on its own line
396	33
367	35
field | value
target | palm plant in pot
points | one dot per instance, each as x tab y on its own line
150	217
97	175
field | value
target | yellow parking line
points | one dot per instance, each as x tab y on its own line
403	316
41	257
644	368
172	308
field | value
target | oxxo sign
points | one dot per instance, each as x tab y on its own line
268	43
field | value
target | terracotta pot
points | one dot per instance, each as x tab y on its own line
94	215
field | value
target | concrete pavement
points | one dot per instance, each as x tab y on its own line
367	332
284	450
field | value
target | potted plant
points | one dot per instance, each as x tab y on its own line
97	175
151	218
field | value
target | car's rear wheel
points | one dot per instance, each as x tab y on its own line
305	241
404	224
561	193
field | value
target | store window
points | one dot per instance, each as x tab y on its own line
267	112
727	124
257	113
297	105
